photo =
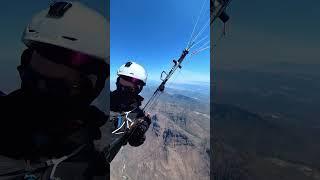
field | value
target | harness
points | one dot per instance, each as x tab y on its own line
122	121
29	171
124	125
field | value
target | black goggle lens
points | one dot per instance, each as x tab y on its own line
135	81
79	61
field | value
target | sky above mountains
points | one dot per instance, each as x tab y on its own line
153	33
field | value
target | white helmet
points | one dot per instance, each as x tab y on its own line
70	25
134	70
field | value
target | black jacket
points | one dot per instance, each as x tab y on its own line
136	135
33	129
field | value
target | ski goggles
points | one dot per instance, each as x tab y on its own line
46	76
55	86
81	62
130	81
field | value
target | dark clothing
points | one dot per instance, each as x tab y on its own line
37	128
121	104
34	129
136	135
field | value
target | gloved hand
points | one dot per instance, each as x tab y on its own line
138	135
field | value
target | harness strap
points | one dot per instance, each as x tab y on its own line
40	166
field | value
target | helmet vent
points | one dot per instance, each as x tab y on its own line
57	9
128	64
70	38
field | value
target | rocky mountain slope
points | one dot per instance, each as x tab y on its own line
177	145
249	146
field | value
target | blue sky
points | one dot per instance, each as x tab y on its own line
150	32
153	33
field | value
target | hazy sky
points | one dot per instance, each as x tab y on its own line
272	31
14	17
154	32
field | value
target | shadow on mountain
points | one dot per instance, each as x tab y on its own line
248	146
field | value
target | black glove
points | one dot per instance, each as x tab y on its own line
138	135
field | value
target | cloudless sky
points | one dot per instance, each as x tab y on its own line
149	32
153	33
